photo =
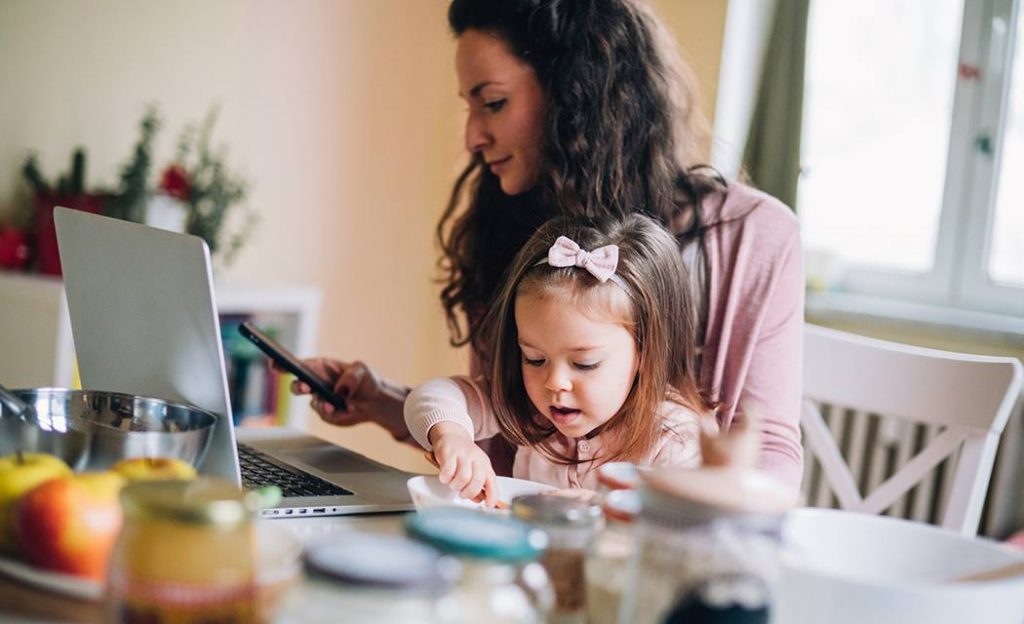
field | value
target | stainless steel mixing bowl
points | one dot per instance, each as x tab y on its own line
17	434
117	426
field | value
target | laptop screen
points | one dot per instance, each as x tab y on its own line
143	318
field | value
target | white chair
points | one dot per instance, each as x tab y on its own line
966	399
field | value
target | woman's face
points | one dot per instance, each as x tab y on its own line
505	118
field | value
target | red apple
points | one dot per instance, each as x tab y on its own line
19	474
70	524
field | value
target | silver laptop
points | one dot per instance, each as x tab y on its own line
144	321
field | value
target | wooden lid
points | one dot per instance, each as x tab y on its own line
723	489
727	483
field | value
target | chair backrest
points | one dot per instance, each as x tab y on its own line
966	399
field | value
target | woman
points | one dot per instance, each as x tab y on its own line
583	108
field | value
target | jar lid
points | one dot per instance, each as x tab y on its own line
618	476
383	561
472	533
704	493
564	511
622	505
204	500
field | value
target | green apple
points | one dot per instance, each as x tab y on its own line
70	524
19	473
154	468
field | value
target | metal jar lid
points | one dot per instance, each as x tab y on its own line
548	509
200	501
383	561
472	533
622	505
618	476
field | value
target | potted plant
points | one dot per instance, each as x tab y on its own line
70	192
196	193
14	247
199	178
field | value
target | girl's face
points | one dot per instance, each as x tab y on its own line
505	119
577	369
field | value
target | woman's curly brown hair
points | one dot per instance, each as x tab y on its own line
622	136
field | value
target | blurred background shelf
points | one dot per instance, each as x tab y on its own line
37	349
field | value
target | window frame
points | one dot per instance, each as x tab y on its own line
959	275
974	286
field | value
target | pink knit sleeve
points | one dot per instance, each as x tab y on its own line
753	348
453	399
773	383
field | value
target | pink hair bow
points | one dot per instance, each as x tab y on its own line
601	262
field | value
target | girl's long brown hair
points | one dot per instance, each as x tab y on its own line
655	307
623	135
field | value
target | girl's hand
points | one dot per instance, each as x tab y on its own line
464	467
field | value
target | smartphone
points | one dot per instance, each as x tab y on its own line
292	364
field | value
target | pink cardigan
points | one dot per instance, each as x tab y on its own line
753	345
464	401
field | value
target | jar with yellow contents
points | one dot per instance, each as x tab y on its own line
186	553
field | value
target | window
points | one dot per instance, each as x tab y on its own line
913	156
1006	262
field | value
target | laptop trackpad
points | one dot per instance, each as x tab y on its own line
328	459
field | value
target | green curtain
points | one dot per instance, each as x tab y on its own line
772	154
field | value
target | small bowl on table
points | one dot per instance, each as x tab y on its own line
428	491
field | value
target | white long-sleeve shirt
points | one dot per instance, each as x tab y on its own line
463	400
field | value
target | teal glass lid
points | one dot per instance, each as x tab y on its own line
472	533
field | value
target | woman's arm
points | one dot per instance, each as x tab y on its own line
774	381
753	347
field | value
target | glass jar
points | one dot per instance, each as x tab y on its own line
708	544
364	577
607	564
502	582
571	524
186	553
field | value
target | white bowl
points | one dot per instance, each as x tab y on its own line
842	567
428	491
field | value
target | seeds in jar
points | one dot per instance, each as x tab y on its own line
565	567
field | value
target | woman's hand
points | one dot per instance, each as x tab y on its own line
369	399
464	467
354	382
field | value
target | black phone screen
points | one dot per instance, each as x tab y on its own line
292	364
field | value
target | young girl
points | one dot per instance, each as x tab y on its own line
593	339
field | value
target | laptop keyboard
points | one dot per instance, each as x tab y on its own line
259	470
